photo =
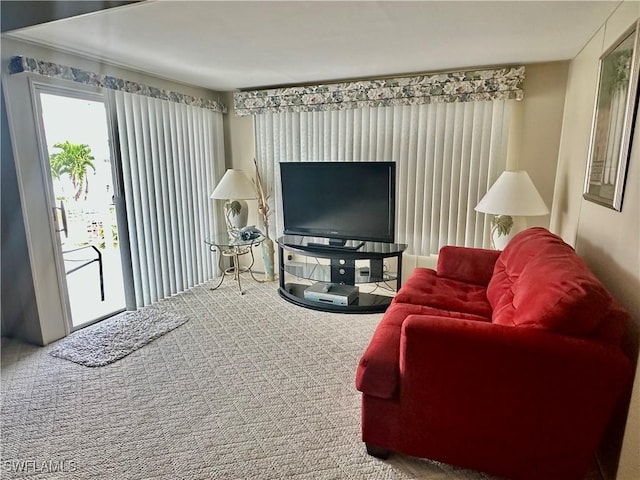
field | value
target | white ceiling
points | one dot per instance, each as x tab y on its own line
238	45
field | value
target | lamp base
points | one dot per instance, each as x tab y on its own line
502	223
236	213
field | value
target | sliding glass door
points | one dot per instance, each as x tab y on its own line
114	189
78	165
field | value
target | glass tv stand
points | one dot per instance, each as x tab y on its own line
375	268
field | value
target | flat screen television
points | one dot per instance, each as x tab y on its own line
339	200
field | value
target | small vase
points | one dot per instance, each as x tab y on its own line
267	258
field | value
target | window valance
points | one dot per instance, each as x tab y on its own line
450	87
19	64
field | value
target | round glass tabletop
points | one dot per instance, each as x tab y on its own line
224	240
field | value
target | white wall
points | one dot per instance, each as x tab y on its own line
240	150
608	240
535	137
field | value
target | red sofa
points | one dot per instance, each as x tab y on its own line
504	362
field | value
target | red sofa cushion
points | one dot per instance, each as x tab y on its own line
454	298
540	282
466	264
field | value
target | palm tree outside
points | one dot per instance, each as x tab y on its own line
74	160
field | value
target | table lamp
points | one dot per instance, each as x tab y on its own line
512	195
235	187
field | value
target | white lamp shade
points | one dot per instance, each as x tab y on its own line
234	185
513	194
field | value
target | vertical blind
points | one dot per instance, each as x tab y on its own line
447	156
172	156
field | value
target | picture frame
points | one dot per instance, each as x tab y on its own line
613	121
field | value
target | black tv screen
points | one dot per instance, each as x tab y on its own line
341	200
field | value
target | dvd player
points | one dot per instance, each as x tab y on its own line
331	293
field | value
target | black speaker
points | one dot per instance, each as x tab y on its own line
376	269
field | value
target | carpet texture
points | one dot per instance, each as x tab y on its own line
251	387
115	338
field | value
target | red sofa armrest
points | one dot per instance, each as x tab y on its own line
377	373
470	265
507	391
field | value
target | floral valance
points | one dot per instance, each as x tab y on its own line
466	86
21	64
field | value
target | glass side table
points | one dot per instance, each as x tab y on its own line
234	248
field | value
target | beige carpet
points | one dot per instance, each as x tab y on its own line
251	387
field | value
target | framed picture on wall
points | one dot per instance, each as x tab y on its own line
613	121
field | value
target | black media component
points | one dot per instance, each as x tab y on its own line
343	271
339	200
376	268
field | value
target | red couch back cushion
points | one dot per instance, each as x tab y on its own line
540	282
